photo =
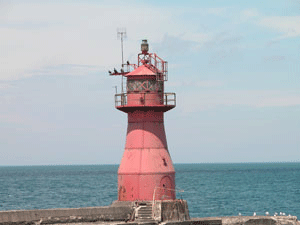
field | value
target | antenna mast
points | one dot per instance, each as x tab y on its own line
121	35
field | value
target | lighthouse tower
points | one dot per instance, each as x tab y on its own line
146	171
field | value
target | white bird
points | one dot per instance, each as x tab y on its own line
283	214
254	214
280	213
240	214
275	214
267	214
290	215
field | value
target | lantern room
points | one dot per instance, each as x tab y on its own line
145	83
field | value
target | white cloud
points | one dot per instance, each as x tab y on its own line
6	86
216	11
248	14
289	26
194	102
12	118
199	38
203	83
37	36
66	69
44	35
274	58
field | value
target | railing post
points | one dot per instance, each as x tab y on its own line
153	203
166	99
154	193
174	99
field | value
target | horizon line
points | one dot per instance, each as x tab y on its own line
111	164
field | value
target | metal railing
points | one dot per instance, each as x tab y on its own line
120	99
169	99
166	197
155	63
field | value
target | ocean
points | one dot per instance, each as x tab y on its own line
210	189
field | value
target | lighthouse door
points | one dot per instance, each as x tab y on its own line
166	191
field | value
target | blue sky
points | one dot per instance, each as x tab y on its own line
233	64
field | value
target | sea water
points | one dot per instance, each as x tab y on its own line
210	189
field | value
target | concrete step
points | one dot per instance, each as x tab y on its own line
146	207
144	213
143	220
145	210
150	214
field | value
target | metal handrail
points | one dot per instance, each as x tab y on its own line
172	98
157	64
153	199
120	99
169	99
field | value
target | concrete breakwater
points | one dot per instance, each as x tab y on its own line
118	211
267	220
55	216
160	212
120	214
239	220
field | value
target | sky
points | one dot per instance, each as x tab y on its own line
234	66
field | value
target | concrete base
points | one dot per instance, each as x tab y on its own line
166	210
171	210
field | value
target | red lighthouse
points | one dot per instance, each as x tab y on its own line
146	171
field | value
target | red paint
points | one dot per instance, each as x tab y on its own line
146	168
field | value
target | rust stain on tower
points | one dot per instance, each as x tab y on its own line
146	171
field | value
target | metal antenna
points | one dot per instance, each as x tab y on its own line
121	35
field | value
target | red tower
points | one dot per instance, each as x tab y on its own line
146	171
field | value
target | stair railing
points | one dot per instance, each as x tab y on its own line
153	199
